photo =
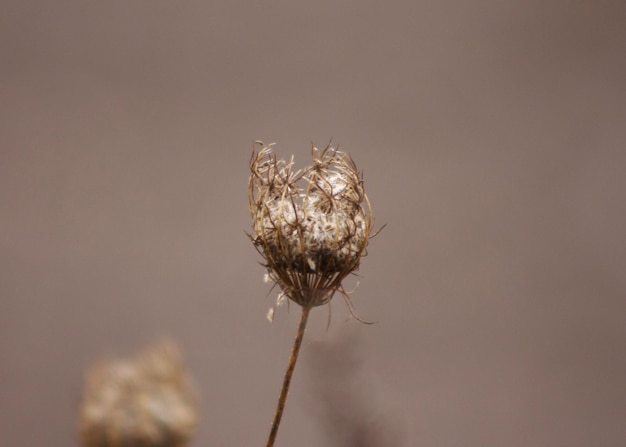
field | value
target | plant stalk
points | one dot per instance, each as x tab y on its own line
295	350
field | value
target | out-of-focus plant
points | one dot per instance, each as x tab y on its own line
148	401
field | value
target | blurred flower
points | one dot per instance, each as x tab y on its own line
312	225
145	402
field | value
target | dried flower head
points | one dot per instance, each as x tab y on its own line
145	402
312	225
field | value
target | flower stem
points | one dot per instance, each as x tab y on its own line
287	380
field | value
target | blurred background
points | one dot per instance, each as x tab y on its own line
492	136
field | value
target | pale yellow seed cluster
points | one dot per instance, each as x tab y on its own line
146	402
311	225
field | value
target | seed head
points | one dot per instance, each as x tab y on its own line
311	226
145	402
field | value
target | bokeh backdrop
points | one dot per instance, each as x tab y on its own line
492	135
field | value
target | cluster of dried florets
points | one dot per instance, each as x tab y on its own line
311	225
145	402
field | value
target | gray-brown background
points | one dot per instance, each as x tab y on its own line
492	135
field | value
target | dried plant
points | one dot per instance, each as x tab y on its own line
143	402
312	227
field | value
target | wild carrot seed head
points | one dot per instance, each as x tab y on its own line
148	401
312	225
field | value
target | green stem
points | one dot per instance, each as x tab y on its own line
287	380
